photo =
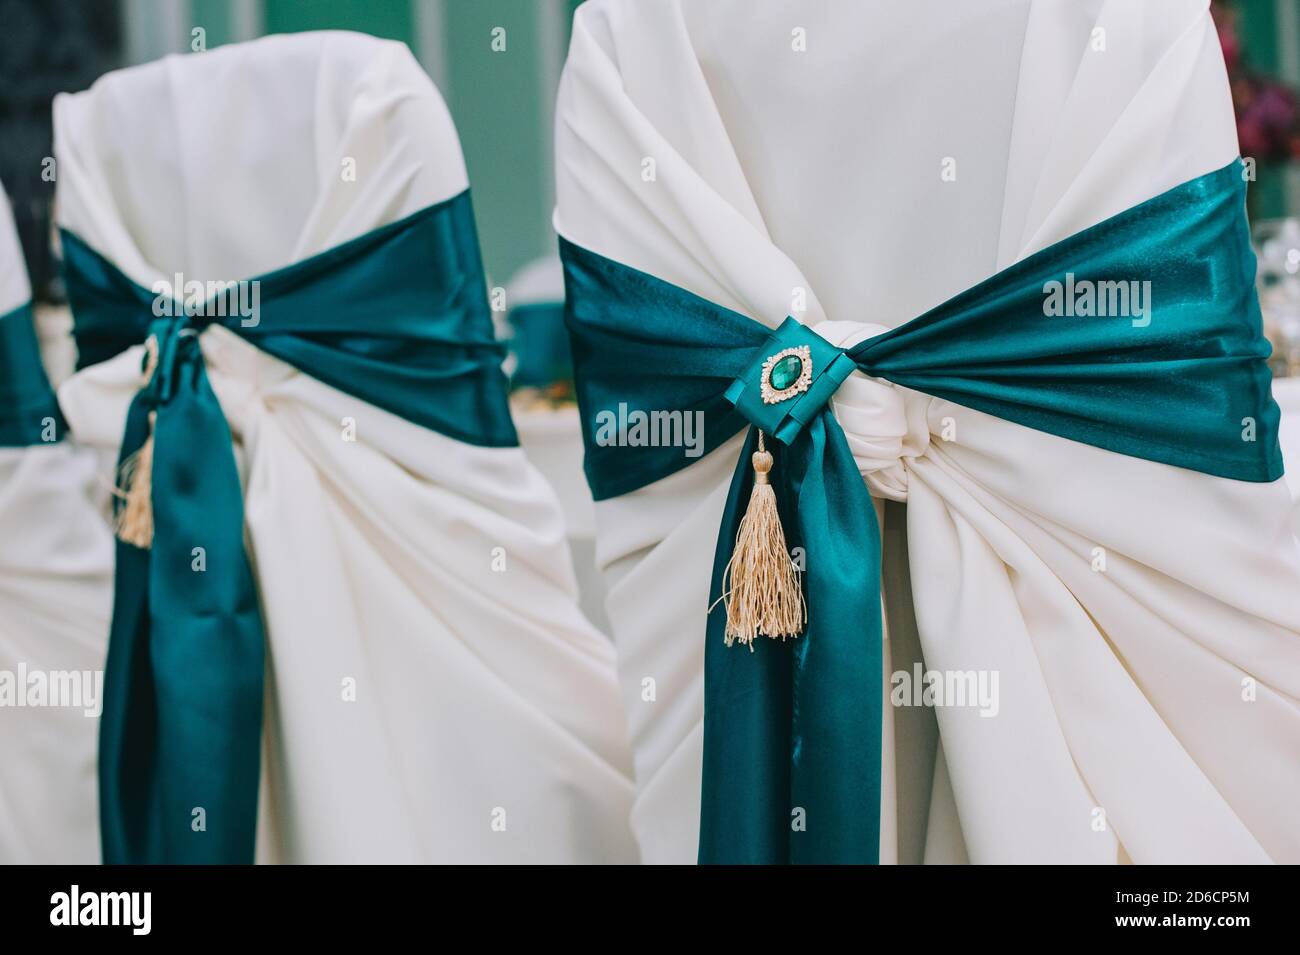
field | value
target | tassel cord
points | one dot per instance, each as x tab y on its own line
761	589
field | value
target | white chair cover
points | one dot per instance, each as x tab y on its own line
552	439
56	592
777	168
475	691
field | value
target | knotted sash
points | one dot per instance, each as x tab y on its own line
29	411
797	724
397	317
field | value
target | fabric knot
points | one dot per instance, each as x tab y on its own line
789	381
798	370
171	343
885	425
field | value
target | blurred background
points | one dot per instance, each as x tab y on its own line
502	101
1261	47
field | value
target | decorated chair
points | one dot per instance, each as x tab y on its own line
875	238
346	626
56	567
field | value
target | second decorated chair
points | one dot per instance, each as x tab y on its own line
1085	513
345	625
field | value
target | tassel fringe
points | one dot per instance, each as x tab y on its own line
760	585
133	522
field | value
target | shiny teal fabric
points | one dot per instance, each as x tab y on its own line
29	412
785	419
540	345
792	731
397	317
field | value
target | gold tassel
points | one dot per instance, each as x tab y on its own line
761	584
133	522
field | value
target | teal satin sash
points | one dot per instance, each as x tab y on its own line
29	411
796	725
398	318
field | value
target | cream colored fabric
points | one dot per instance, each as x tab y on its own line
56	567
433	693
791	159
552	439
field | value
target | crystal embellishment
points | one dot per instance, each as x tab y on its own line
786	374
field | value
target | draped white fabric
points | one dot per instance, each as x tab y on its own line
422	704
552	439
1148	711
56	567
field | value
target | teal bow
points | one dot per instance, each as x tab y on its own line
29	411
792	733
398	318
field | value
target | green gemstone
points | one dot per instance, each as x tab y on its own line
786	372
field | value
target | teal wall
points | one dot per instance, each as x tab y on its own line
1257	24
391	19
1261	42
502	104
215	17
